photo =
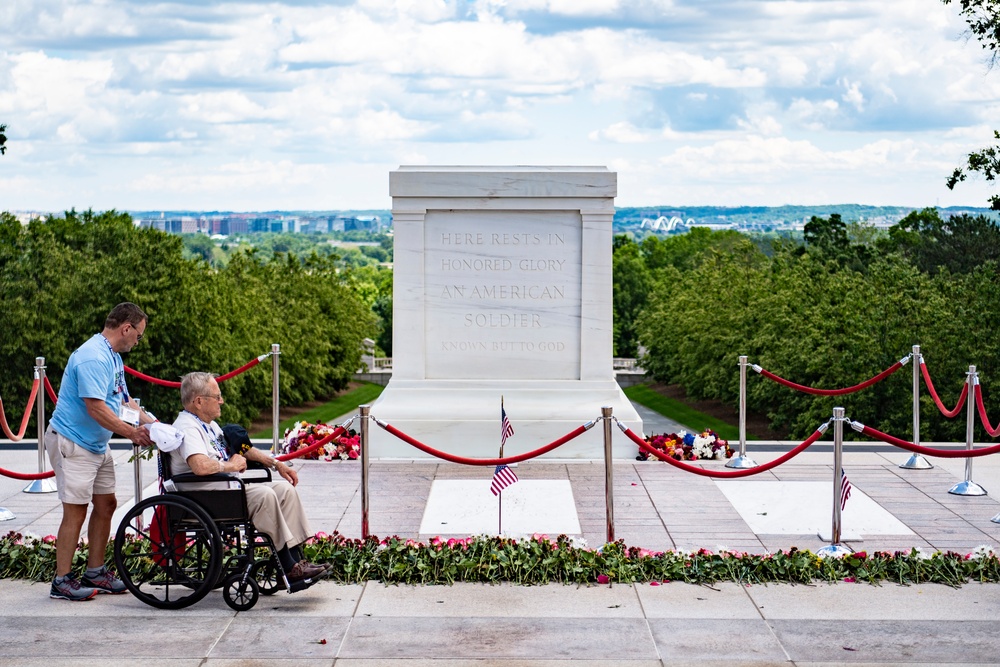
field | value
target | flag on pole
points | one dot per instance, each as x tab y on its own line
502	478
845	489
506	429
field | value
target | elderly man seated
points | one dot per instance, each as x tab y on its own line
274	507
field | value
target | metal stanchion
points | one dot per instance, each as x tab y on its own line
609	475
364	410
835	548
967	487
137	474
275	423
47	485
916	461
741	460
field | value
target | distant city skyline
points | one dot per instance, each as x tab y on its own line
247	105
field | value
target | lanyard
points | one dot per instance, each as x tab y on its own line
216	441
119	367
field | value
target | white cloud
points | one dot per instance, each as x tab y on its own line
795	97
852	94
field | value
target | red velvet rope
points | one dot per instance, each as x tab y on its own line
937	401
724	473
483	462
834	392
242	369
26	476
930	451
171	383
994	432
50	391
337	432
150	378
24	418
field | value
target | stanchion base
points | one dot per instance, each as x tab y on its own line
741	462
47	485
916	462
6	514
967	488
834	551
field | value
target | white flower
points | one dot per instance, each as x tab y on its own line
982	551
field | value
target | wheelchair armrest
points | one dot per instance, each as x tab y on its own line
186	477
261	473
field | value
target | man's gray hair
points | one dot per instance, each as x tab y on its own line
194	385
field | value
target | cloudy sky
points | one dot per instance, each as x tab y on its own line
309	104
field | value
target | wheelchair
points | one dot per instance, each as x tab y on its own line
172	549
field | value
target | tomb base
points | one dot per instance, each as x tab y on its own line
463	417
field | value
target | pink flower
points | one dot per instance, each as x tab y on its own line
654	583
850	580
353	454
321	535
49	539
603	579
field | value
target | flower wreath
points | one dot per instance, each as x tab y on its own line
303	434
686	446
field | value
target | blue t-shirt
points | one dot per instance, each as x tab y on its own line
94	370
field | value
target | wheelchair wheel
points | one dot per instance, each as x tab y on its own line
240	592
265	571
175	559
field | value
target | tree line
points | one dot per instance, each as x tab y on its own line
60	276
829	311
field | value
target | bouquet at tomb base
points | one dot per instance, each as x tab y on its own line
303	434
685	446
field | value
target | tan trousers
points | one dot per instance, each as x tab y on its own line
276	510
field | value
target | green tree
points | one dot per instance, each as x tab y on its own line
983	18
630	285
3	138
60	277
959	244
200	246
823	325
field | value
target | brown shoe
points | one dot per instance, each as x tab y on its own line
304	570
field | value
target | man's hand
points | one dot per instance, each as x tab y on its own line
141	437
239	463
287	472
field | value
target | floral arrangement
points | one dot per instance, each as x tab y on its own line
302	435
686	446
539	559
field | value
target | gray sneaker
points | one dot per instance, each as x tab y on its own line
105	582
70	589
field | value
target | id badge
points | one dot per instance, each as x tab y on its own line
130	416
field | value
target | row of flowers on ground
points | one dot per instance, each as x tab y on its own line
539	559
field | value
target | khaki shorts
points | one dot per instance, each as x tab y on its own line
80	473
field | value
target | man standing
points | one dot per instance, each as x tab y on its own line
93	404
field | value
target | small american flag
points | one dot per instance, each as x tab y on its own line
502	478
845	489
506	429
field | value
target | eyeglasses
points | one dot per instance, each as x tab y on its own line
217	397
141	333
